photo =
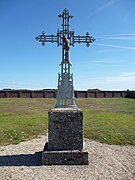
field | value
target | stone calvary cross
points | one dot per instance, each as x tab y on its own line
65	121
65	38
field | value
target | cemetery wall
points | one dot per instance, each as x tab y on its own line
27	94
52	94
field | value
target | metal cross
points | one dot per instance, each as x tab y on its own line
65	38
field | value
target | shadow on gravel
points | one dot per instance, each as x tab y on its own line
21	160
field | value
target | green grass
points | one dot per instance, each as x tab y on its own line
22	119
110	121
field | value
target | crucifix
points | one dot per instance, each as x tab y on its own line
65	38
65	121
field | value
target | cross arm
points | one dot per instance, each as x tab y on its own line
84	39
46	38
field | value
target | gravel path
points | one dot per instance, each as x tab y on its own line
20	162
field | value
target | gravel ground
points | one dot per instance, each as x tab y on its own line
20	162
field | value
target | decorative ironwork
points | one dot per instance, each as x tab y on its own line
65	38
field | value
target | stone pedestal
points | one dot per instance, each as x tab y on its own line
65	138
68	157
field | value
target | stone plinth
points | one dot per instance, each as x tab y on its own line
65	138
68	157
65	129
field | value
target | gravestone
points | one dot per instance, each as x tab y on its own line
65	120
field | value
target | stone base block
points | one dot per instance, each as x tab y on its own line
65	129
68	157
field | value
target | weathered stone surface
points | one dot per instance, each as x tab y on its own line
69	157
65	138
65	129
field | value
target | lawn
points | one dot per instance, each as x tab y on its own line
110	121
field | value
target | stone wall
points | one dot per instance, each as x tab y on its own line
27	94
52	94
104	94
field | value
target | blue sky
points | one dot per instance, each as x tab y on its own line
108	64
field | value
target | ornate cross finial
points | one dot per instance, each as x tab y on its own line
64	14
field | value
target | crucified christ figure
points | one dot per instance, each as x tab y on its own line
65	47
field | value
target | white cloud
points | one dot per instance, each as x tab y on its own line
117	37
13	85
123	34
124	81
104	6
116	46
7	84
132	38
127	16
108	61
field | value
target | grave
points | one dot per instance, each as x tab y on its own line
65	120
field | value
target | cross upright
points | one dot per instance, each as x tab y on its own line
65	38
